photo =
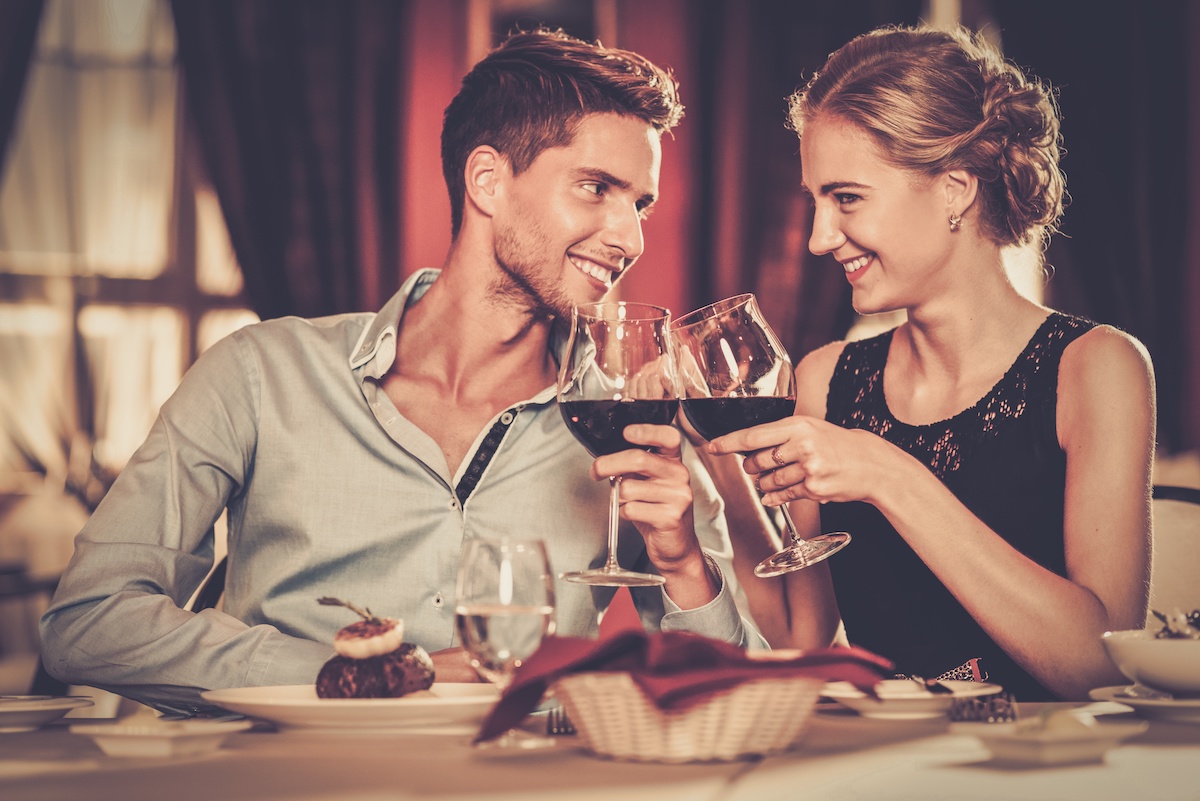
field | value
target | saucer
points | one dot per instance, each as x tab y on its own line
182	738
29	712
902	699
1176	710
1015	744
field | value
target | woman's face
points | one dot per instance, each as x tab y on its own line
887	227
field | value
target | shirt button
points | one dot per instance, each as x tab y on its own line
454	503
438	601
506	418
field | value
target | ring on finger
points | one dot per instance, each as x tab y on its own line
776	458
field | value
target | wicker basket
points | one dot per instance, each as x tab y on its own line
616	719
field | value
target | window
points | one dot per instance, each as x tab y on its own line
115	266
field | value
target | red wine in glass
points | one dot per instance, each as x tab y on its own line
618	370
734	373
600	424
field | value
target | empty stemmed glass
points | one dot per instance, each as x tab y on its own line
504	607
618	370
734	373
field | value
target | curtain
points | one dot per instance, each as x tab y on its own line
18	35
297	107
752	219
1122	257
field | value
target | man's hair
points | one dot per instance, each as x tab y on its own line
531	92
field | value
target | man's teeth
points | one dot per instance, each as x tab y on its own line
854	265
601	274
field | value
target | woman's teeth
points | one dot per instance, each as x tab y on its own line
854	265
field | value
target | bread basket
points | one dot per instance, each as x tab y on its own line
615	718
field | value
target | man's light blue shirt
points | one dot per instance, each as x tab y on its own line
330	492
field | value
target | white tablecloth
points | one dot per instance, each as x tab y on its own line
842	757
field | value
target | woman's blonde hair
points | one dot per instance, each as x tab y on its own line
937	100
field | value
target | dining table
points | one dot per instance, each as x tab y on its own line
840	755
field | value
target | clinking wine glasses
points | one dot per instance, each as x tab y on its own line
618	370
734	373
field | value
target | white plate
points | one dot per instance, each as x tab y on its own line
29	712
1178	710
1012	744
182	738
901	699
444	705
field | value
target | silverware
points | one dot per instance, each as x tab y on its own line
557	722
933	685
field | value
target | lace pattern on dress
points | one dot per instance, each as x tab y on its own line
941	445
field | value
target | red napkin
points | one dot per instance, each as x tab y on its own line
673	668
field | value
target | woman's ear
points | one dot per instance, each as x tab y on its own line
484	172
960	187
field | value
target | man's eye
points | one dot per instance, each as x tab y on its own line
595	187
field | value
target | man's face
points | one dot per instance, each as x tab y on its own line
569	226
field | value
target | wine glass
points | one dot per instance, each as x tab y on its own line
504	607
618	370
734	374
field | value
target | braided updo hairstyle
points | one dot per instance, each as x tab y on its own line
937	100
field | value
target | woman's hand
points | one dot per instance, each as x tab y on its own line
805	458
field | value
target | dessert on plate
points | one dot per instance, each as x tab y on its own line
373	661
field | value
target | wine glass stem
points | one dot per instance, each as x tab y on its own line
614	518
790	524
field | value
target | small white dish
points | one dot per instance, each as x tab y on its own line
180	738
29	712
903	699
1152	707
1025	744
446	705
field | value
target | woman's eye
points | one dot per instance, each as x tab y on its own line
845	198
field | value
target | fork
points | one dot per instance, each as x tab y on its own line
557	721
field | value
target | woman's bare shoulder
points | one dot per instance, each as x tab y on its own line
1105	372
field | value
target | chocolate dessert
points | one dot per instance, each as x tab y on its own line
373	661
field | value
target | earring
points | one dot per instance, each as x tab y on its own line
955	221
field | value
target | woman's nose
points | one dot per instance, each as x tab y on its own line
826	234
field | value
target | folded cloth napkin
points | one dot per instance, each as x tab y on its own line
673	668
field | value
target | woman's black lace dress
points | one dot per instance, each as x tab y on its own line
1001	458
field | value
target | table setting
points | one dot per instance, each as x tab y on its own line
647	716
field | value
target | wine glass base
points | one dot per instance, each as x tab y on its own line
613	577
515	740
802	554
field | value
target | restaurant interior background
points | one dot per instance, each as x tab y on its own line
171	170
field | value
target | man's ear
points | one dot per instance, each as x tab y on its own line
961	188
485	170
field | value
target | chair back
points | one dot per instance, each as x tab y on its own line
1175	569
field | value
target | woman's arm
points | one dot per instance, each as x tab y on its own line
1050	624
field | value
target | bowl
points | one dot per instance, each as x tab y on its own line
1167	664
1063	737
615	719
182	738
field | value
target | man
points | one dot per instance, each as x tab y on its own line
356	453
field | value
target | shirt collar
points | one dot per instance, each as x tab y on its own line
377	344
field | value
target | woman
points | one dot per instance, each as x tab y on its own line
991	457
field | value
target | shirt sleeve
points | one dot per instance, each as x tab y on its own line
116	620
721	618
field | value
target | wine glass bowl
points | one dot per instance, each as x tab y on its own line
504	604
734	373
618	370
